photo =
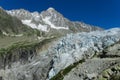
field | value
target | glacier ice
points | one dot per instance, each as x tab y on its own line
74	47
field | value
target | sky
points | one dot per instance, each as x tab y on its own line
103	13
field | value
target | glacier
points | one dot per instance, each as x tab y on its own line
75	47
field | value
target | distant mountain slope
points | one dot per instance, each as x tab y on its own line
10	25
50	20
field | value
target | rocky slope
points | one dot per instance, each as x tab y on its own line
80	56
11	26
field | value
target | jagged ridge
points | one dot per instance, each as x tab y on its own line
50	20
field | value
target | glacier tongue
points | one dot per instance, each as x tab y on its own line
74	47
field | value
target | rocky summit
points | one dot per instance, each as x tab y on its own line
47	46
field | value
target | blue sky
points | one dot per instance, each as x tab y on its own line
103	13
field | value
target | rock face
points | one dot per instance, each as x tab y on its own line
25	63
99	49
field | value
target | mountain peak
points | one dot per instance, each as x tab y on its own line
49	19
51	9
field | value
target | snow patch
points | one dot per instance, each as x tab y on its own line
6	34
36	63
28	22
46	20
43	28
50	9
32	25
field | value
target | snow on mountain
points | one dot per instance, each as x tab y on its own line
46	20
29	18
49	19
74	47
20	14
32	25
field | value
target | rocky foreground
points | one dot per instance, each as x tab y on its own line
81	56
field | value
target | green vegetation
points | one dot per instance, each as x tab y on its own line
64	72
19	45
7	41
25	45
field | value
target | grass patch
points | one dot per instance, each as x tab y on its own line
20	45
24	45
